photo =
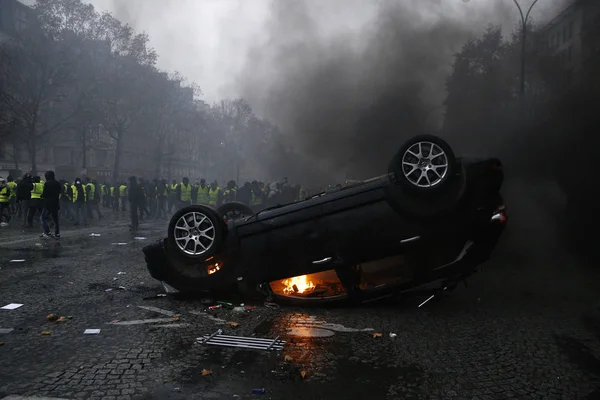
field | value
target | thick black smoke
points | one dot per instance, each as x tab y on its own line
348	100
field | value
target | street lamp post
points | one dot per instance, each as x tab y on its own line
524	19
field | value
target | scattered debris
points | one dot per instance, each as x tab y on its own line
249	308
119	244
214	307
6	330
377	334
270	304
287	358
158	310
51	317
393	335
108	290
175	318
11	306
122	288
61	319
218	339
303	374
233	324
114	279
259	391
91	331
45	333
95	234
239	309
139	238
17	261
121	273
206	372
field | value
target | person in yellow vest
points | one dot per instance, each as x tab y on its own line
184	193
66	201
230	193
12	188
123	196
215	196
114	197
36	203
93	198
172	199
203	189
105	195
4	203
79	199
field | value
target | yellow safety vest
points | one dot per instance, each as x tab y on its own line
213	196
66	191
229	194
173	188
4	194
203	197
122	190
103	189
186	192
38	189
76	193
256	200
12	186
92	190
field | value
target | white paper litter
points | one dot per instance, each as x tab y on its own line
17	260
139	238
11	306
91	331
121	273
393	335
119	244
95	234
6	330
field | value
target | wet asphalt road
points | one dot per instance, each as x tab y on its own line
528	327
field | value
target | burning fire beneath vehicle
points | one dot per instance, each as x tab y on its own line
213	268
321	284
297	284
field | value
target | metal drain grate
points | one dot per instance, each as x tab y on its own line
217	339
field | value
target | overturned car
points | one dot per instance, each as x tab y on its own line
430	222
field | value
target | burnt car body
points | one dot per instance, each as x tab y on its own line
433	218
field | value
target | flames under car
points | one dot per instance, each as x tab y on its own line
432	220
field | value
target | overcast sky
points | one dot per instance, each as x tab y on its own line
208	40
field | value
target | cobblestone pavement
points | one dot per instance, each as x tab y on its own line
527	327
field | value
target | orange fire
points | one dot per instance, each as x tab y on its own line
297	284
213	268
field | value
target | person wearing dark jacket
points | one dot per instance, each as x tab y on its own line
51	196
136	200
24	188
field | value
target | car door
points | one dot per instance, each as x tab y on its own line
292	238
362	226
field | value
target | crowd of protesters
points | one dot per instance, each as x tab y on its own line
50	200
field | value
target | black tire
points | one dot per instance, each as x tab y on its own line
428	174
211	222
234	210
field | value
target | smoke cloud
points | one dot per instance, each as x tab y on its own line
348	98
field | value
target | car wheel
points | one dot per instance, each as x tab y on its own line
196	232
234	210
424	164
